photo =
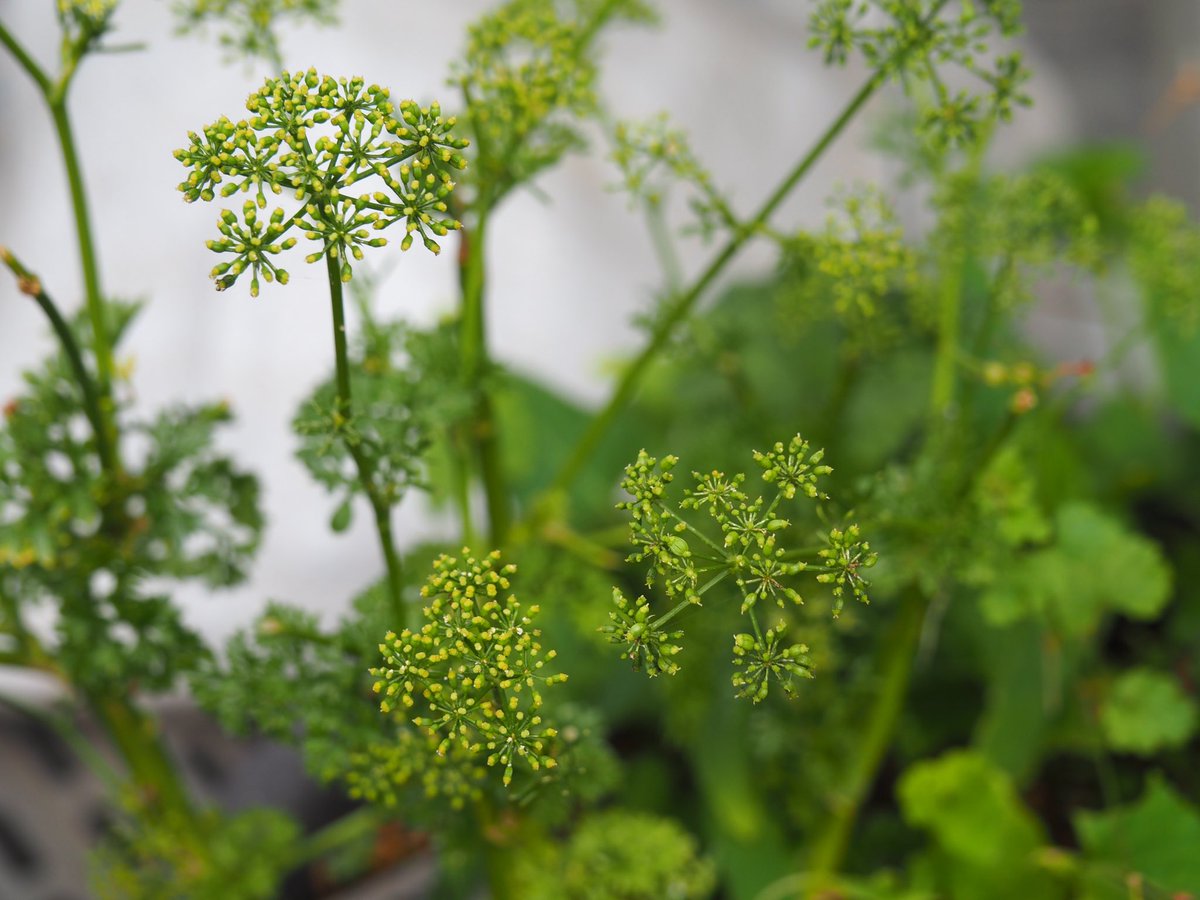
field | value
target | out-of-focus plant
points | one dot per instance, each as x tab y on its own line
1013	712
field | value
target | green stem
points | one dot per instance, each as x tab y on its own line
25	61
350	828
475	363
140	745
366	469
101	341
897	652
32	285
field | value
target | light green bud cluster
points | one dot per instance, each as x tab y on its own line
749	544
248	27
760	658
93	10
845	558
528	76
910	40
650	154
313	138
471	675
647	645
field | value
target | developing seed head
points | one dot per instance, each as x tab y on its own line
472	674
334	145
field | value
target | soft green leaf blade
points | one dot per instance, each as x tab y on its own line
1147	711
1159	837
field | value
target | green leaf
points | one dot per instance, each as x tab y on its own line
1146	711
986	839
1158	837
342	517
1096	566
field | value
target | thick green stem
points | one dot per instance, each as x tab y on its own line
897	652
474	358
140	745
366	469
32	285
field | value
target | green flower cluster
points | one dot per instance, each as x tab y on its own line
316	137
472	674
528	74
86	16
908	40
688	562
650	153
858	261
247	27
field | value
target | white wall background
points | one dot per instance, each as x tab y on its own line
566	276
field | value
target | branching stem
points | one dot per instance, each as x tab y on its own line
32	285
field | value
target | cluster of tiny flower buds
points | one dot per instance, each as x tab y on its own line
91	15
844	559
323	141
908	40
646	644
793	469
471	675
649	154
688	562
761	658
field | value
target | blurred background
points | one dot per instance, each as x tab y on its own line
735	75
570	274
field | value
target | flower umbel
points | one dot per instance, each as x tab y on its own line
314	138
471	677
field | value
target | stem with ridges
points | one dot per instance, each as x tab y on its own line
366	470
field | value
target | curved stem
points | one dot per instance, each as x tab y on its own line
30	284
366	469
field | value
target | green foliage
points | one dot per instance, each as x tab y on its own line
1147	711
472	675
89	540
1028	543
985	838
1156	837
1094	567
317	138
625	856
403	382
216	857
687	562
